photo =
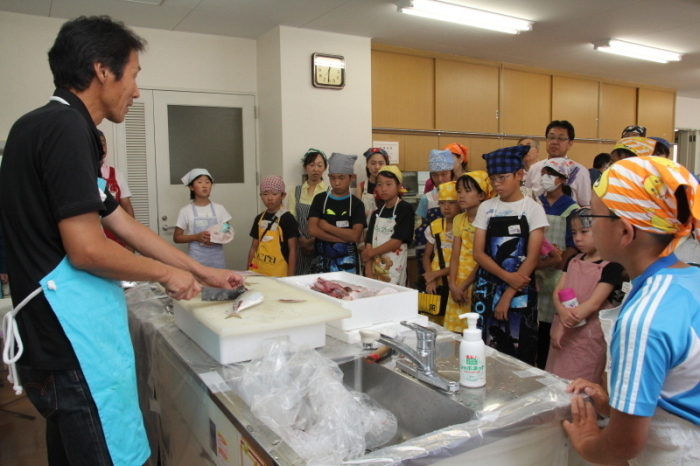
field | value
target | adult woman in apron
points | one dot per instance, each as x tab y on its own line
315	164
506	244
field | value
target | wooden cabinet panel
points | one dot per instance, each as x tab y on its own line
618	109
527	102
584	152
417	151
394	138
403	91
576	100
466	97
656	111
479	147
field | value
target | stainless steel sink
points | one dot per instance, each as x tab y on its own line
419	409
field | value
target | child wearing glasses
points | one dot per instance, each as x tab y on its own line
507	244
577	343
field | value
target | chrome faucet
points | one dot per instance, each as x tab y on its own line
421	363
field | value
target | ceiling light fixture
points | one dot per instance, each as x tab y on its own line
642	52
459	14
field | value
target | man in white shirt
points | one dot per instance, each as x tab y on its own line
560	137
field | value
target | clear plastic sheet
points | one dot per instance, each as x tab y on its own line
300	395
516	418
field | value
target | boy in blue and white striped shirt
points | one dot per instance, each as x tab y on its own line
642	207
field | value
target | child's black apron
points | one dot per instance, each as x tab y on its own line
506	243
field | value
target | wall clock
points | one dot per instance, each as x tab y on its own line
328	71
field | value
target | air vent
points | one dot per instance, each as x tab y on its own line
136	162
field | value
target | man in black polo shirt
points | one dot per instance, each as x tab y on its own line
78	363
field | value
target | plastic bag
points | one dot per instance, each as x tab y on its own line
300	395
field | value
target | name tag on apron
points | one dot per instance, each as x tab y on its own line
514	229
201	223
342	224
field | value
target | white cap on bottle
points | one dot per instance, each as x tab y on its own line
472	333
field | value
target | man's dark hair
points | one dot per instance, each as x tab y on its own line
84	41
601	159
564	125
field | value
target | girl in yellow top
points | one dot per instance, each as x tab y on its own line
472	189
438	248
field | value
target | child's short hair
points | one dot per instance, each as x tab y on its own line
468	183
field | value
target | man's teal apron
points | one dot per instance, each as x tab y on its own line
92	311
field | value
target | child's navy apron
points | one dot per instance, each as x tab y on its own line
506	243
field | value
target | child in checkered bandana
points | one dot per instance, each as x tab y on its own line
507	244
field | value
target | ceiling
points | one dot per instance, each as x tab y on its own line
561	38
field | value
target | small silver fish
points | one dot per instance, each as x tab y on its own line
248	299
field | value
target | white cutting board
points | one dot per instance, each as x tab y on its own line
269	315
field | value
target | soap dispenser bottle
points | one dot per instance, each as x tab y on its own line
472	354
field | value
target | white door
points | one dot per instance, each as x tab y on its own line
212	131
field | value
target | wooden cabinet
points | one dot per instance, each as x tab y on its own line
618	109
417	151
403	91
466	97
656	111
584	152
576	100
445	93
414	150
393	138
477	147
527	102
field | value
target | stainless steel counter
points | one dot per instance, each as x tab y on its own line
195	416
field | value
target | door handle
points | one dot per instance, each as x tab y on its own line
167	228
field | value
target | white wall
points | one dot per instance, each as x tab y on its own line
329	120
687	113
173	60
269	103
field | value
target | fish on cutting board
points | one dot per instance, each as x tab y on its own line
248	299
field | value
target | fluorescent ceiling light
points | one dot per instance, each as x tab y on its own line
459	14
628	49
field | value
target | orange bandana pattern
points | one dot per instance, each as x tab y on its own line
641	147
642	190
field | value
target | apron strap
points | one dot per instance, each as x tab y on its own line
438	244
11	332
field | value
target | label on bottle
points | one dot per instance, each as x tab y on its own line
472	368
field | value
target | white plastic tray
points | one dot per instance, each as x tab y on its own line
395	307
